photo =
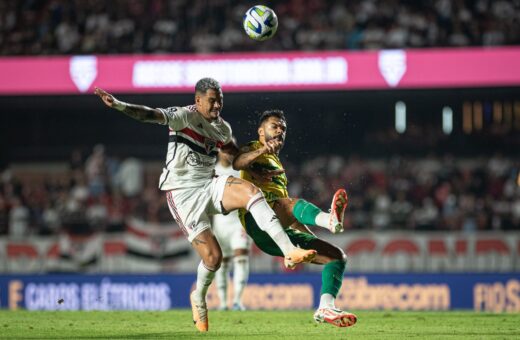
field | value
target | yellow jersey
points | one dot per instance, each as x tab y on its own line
277	187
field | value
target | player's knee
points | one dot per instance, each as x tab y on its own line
213	264
240	252
241	259
344	257
251	190
340	255
213	261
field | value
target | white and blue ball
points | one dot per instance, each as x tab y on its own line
260	23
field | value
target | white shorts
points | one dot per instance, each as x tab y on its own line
229	233
192	208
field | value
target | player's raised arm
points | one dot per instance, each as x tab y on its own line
138	112
246	157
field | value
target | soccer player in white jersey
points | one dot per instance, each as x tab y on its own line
235	244
194	193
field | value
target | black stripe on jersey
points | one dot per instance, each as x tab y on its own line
164	180
193	146
167	173
174	153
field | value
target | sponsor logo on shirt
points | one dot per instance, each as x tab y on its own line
195	160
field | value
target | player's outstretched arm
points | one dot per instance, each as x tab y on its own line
138	112
246	157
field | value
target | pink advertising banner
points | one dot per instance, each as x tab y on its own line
239	72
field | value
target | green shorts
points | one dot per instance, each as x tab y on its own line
266	243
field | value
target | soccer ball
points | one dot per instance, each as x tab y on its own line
260	23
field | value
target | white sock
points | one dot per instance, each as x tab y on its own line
221	278
204	279
267	221
327	301
322	219
240	277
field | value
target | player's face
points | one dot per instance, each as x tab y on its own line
209	104
273	128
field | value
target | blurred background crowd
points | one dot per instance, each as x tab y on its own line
29	27
99	193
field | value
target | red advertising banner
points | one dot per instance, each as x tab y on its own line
239	72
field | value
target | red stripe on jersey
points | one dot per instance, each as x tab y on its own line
193	134
175	213
198	137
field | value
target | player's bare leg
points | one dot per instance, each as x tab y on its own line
209	250
242	194
283	208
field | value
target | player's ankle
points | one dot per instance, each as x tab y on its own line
322	220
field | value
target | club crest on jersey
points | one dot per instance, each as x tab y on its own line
209	144
195	160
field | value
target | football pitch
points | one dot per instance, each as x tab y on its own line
176	324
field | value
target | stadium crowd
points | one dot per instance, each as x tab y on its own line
430	193
47	27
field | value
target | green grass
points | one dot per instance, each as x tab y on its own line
254	325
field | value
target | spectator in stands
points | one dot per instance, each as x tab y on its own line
162	26
95	169
430	193
19	218
4	216
130	177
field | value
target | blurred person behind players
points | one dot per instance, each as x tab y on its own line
196	134
235	245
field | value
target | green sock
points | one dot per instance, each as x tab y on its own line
332	277
305	212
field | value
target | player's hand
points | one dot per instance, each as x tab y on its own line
273	146
264	176
107	98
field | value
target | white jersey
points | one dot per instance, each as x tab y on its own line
192	149
222	170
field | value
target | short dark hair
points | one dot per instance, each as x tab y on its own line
271	113
206	84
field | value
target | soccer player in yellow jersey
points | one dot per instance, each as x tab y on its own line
261	156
